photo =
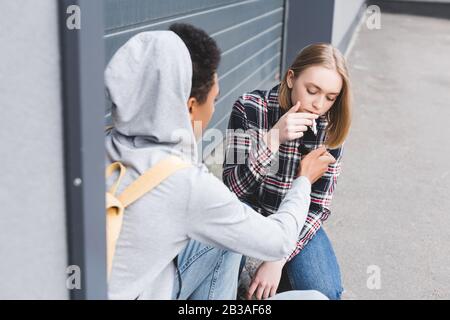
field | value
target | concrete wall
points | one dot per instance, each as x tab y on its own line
32	229
321	21
346	16
307	22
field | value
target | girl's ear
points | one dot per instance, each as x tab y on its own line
290	79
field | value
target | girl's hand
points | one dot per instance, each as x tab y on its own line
290	126
266	280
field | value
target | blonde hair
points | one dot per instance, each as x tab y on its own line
339	116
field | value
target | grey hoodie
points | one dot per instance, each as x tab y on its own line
149	82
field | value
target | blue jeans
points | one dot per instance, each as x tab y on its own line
314	268
207	273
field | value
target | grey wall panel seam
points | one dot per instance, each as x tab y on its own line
256	87
284	35
145	25
247	22
251	39
273	43
248	77
201	9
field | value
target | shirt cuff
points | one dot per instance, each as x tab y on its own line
303	184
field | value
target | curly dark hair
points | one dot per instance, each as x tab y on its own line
205	55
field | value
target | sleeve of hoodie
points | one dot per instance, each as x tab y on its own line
217	217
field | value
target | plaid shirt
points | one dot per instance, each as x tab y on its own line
260	178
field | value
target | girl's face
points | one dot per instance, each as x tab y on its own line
317	88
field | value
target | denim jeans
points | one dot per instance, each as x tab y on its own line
314	268
207	273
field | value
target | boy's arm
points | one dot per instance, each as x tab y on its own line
222	220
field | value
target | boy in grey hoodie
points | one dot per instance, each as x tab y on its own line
149	83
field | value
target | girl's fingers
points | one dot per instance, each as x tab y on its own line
294	108
300	128
251	290
304	115
303	121
295	135
259	292
273	291
266	293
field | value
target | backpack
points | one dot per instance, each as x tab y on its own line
116	204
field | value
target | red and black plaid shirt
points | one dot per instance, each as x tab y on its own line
260	178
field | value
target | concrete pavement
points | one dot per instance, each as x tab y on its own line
391	210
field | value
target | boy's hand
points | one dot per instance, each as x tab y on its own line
315	164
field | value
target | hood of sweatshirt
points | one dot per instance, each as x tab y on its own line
148	81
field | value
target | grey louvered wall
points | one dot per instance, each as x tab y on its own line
249	33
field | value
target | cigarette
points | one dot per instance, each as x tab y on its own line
314	127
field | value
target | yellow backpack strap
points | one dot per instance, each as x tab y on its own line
142	185
110	170
114	212
151	178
